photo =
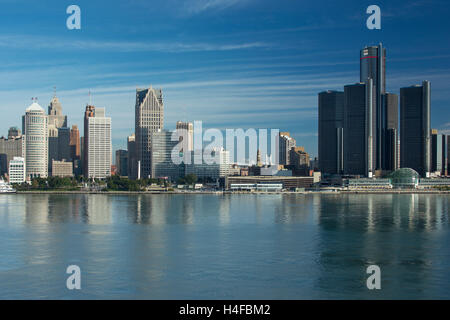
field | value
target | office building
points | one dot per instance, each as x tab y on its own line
74	143
98	146
12	147
331	139
17	170
122	162
415	130
132	160
14	132
89	113
36	141
299	161
218	169
64	144
62	169
187	129
55	116
285	143
161	156
438	153
149	118
359	124
389	131
373	66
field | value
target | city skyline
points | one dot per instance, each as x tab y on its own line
269	63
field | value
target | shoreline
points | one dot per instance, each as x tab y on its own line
236	192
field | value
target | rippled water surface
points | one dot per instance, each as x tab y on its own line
225	247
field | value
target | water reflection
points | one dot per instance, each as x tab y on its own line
206	246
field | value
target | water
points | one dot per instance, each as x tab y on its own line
224	247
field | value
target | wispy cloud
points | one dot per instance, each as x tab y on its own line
199	6
23	42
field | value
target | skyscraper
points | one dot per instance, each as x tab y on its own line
286	143
359	124
122	162
438	152
75	150
36	144
188	127
373	66
162	164
331	123
55	116
149	118
13	146
389	131
89	113
98	147
415	128
132	161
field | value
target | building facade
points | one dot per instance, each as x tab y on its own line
415	128
161	156
122	162
62	169
98	148
359	124
373	66
149	118
17	170
286	143
331	134
36	141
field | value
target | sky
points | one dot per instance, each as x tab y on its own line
229	63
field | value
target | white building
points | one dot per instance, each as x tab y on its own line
99	152
17	170
36	141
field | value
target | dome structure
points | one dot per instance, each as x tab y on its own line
404	178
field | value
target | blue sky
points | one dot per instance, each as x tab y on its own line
231	64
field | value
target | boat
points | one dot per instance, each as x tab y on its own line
6	187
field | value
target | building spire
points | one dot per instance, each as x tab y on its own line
54	91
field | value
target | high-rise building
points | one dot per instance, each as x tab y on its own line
299	161
373	66
36	141
438	152
17	170
74	142
218	169
359	124
415	128
122	162
331	123
55	116
14	132
98	145
188	130
12	147
89	113
132	160
389	131
149	118
286	143
64	144
162	164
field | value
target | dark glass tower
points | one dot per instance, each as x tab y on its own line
389	132
359	124
331	122
373	66
415	131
